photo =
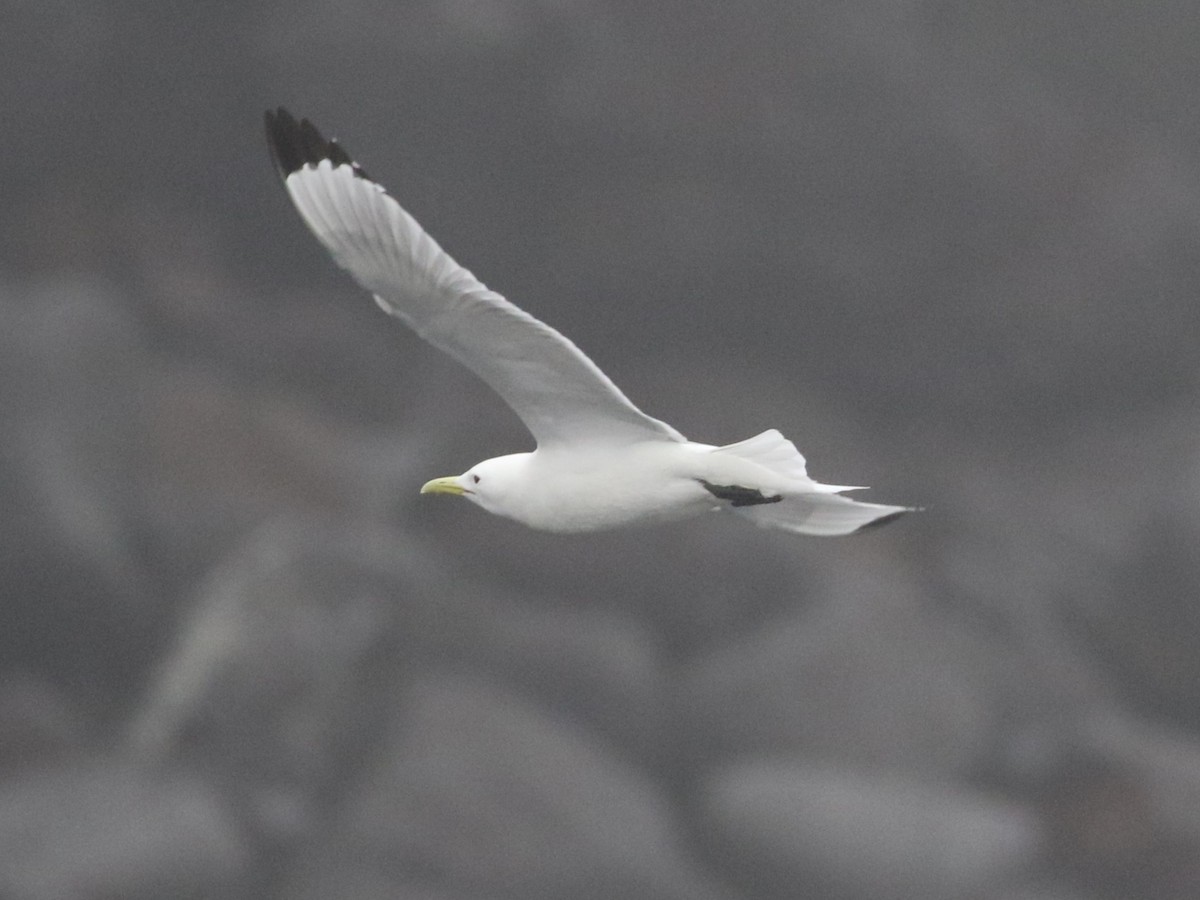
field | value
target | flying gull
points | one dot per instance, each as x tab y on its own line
600	462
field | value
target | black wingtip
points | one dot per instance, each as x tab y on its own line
295	144
281	131
881	521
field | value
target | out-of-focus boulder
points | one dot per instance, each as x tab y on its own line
1087	554
107	829
791	829
283	676
38	723
867	678
487	794
274	685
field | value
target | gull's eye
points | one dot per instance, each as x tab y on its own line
475	478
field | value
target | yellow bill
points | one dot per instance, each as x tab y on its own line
448	485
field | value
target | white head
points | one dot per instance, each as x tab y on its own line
495	484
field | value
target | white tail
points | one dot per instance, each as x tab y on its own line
812	507
772	451
819	513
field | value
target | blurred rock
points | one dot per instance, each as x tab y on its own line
38	723
1166	763
218	458
126	475
797	829
320	878
105	829
73	360
1124	812
282	678
598	669
274	686
1039	889
1117	801
1140	621
1087	557
867	678
1099	821
487	795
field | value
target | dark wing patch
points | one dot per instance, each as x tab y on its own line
738	495
295	144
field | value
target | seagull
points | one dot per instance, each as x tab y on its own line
599	461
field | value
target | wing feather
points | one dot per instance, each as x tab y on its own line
560	394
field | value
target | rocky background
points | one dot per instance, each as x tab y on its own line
952	249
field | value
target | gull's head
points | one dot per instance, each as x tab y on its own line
490	483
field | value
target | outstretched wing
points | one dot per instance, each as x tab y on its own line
560	394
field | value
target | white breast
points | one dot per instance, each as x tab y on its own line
566	492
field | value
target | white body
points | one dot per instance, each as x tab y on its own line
652	481
660	481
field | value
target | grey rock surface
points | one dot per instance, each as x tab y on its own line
843	832
106	829
475	782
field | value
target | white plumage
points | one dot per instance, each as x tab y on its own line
600	462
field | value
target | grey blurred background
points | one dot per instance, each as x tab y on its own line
951	249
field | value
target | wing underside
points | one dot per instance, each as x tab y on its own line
560	394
